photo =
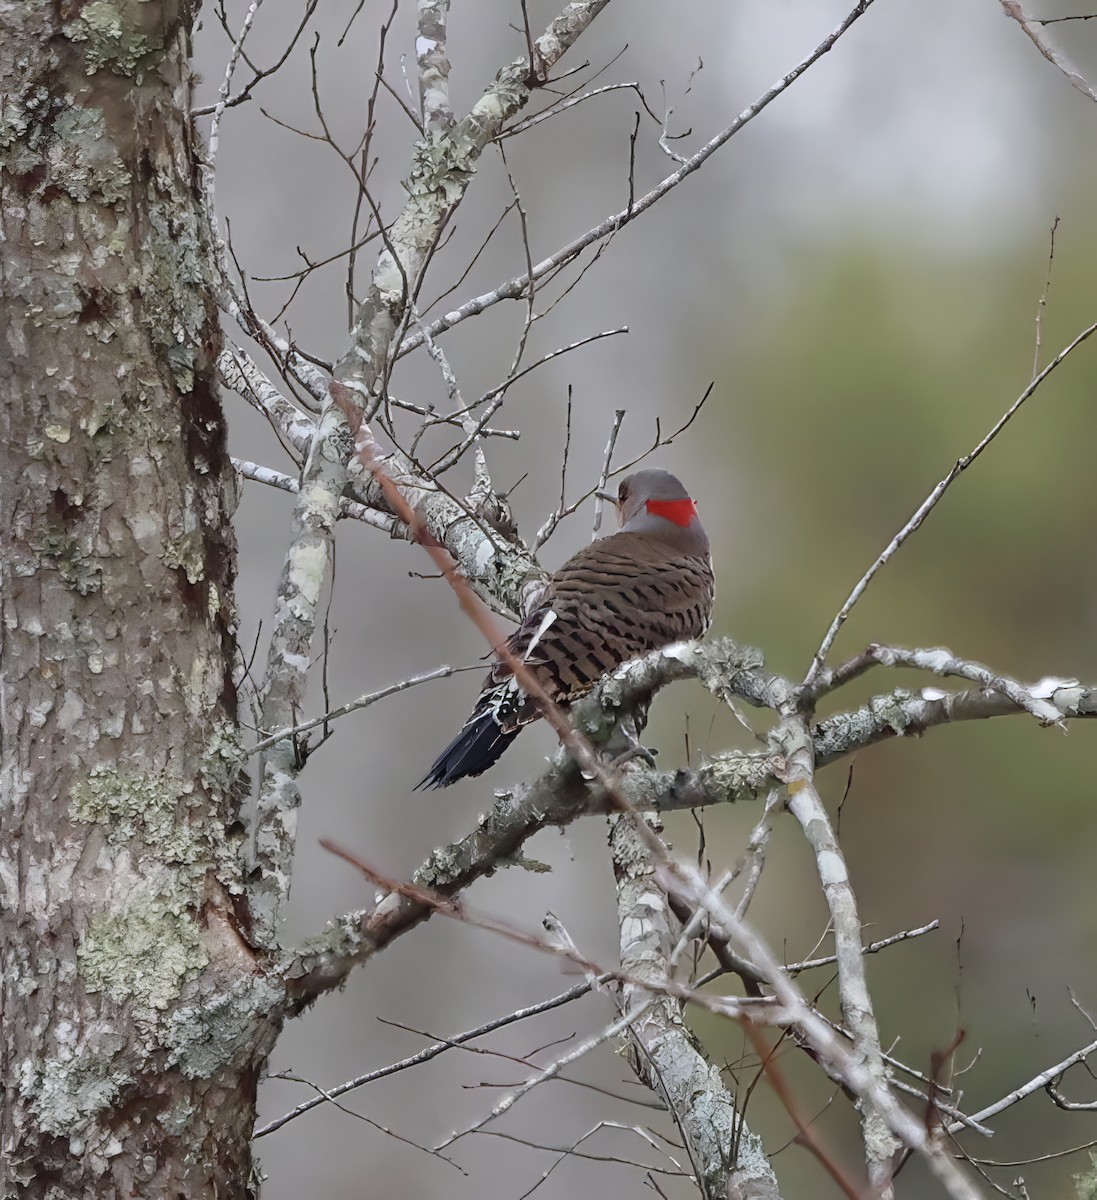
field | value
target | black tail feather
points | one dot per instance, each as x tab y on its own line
472	751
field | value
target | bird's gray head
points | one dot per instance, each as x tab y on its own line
656	503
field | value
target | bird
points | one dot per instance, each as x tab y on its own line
641	588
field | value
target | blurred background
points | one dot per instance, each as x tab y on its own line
859	271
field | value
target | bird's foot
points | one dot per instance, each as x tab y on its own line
632	753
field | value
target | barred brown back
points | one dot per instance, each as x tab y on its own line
641	588
616	599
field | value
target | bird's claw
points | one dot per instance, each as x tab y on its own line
635	752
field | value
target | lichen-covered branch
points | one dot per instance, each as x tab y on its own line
560	795
686	882
442	167
430	52
728	1159
519	286
806	805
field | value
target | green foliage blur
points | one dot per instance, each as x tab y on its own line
855	392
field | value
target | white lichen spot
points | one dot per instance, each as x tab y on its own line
1046	688
832	868
58	433
933	693
95	662
307	568
485	552
70	1089
176	1117
937	660
423	46
186	553
654	901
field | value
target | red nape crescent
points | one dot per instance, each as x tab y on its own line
681	512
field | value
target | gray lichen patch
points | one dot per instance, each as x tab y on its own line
444	163
889	710
728	775
71	1088
175	289
110	38
152	814
83	163
186	554
223	758
80	571
204	1037
142	955
41	128
720	660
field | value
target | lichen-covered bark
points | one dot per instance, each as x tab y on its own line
443	164
728	1159
135	1014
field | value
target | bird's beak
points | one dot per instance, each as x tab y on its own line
607	496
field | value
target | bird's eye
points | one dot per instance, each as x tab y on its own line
622	493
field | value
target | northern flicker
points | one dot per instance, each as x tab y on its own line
643	587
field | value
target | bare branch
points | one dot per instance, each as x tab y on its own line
944	662
1042	1080
804	802
816	676
260	74
240	373
811	964
607	459
386	522
518	286
425	1055
728	1159
1054	56
354	705
1042	302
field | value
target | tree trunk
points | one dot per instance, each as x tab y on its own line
136	1015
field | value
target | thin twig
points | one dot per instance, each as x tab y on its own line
816	675
440	1047
517	287
354	705
1054	56
1042	303
607	459
1033	1085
